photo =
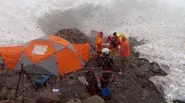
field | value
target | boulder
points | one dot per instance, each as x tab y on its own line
165	68
73	35
74	101
157	81
136	54
141	61
48	98
156	69
134	42
83	80
94	99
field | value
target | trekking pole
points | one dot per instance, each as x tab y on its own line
18	84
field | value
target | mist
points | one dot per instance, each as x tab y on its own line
161	22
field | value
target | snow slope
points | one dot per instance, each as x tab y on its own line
159	21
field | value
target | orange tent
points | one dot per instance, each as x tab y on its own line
11	55
48	55
83	50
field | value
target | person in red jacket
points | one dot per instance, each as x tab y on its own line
124	50
114	43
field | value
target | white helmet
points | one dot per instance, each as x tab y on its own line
105	51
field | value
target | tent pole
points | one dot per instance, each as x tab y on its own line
30	80
18	83
22	86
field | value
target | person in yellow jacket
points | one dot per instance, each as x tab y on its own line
121	35
99	44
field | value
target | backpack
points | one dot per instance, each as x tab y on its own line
107	63
114	42
106	93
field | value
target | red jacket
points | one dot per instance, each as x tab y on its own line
125	49
109	39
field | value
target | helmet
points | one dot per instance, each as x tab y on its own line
105	51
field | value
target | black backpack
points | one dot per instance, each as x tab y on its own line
107	63
114	42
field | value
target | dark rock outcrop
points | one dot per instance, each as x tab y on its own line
73	35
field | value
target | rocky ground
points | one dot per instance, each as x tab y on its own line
133	84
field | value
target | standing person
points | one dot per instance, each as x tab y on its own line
99	44
114	43
120	35
124	50
107	66
107	61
